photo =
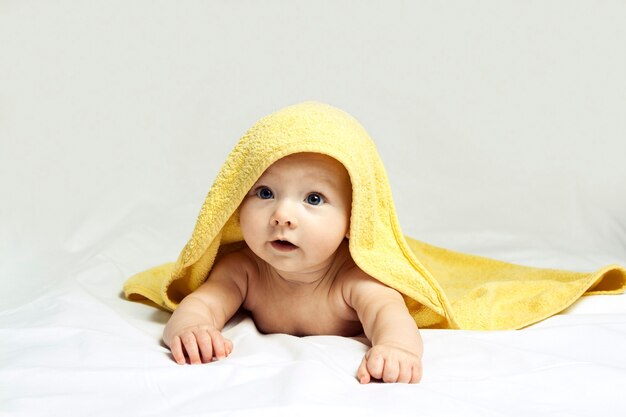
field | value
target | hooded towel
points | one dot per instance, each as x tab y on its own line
442	288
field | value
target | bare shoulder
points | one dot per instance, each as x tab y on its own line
360	288
242	258
234	263
234	268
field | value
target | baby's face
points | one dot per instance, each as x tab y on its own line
298	212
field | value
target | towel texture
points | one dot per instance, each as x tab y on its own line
442	288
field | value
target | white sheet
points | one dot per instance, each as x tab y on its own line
78	348
502	127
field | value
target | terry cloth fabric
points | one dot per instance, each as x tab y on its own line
442	288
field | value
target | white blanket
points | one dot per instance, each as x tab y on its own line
77	348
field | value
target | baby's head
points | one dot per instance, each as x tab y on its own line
298	212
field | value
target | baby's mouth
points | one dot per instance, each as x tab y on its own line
283	245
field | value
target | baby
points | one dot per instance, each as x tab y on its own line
297	276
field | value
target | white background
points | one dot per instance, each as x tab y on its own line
501	116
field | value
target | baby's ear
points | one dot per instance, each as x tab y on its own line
348	235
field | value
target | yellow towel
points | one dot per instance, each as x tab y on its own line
442	288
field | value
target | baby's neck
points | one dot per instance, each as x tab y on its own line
299	282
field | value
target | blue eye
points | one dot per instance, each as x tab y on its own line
314	199
264	193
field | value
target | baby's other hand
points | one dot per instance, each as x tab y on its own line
390	363
200	344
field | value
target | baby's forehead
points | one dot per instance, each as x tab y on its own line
313	166
307	161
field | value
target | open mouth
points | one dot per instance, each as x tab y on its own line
283	245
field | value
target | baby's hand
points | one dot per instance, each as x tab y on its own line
201	344
390	363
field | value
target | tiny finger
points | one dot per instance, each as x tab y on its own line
228	346
177	351
391	371
191	347
375	365
405	373
204	344
416	374
362	375
217	341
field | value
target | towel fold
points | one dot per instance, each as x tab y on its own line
442	288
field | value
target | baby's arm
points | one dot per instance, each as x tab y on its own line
195	326
396	352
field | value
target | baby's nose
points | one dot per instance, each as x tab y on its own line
280	222
283	216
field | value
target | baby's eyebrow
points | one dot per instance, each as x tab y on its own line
326	180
